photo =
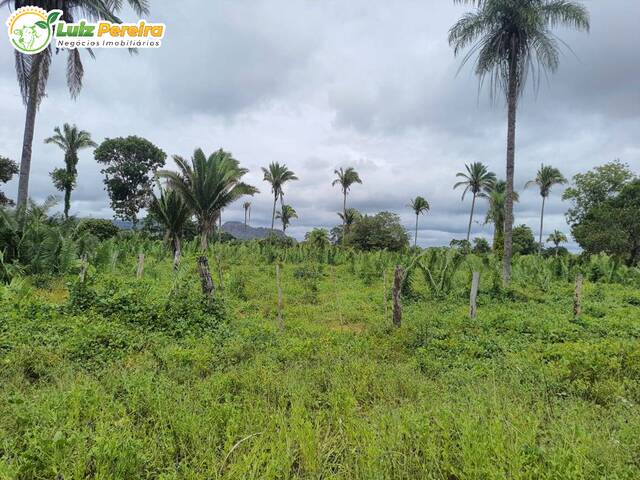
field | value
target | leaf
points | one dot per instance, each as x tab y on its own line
42	24
53	16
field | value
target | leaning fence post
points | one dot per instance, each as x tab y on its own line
577	297
205	277
473	297
83	268
140	270
280	319
397	302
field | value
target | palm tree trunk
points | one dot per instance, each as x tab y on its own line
541	225
273	214
205	229
67	202
344	215
415	241
29	129
473	206
512	101
177	252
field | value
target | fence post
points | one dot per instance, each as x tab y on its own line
205	277
140	270
577	297
473	297
397	302
83	268
384	294
280	319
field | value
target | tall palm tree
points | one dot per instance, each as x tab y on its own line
495	214
207	185
513	40
171	210
247	211
70	139
545	179
33	70
286	214
419	205
345	178
277	175
557	237
479	181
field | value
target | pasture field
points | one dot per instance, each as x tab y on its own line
126	378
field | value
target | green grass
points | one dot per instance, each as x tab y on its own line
522	392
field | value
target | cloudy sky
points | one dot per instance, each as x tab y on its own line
318	84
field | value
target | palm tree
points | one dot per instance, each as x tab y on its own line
247	211
557	237
286	214
207	185
277	175
70	140
419	205
171	210
345	179
545	179
478	180
33	70
495	214
513	40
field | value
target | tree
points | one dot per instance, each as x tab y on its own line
478	180
277	175
545	179
495	214
347	218
100	228
318	237
613	226
70	140
128	165
524	243
208	185
345	178
33	70
595	187
513	40
172	212
8	168
480	246
286	214
378	232
557	237
247	211
420	206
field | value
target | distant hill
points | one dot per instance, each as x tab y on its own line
237	229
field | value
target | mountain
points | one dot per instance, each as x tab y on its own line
238	230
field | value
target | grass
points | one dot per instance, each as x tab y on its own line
522	392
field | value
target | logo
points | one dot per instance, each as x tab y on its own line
32	29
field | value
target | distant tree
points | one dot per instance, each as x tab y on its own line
345	178
480	246
420	206
513	41
348	218
247	212
100	228
479	181
546	178
318	237
172	212
129	164
286	214
207	185
70	140
613	226
277	175
557	237
588	190
8	168
495	214
461	244
524	243
378	232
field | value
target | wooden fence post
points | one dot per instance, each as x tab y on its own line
83	268
205	277
473	297
384	294
280	319
140	270
397	302
577	297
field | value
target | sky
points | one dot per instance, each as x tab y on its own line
319	84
